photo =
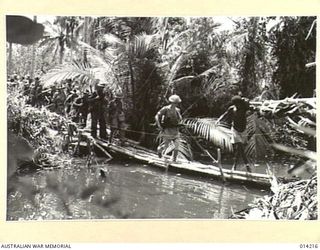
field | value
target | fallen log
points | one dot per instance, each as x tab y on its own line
194	168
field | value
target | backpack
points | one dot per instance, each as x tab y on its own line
168	121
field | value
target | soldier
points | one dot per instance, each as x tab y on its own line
98	104
26	87
38	92
81	108
69	87
168	119
117	118
236	113
69	101
58	99
32	93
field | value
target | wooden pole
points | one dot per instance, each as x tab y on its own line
203	149
219	164
103	150
96	143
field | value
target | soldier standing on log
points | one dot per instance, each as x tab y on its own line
98	104
117	118
168	119
236	113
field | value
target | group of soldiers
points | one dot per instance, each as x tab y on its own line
68	99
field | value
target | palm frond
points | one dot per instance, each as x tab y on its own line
148	24
141	46
177	38
113	40
258	132
184	149
105	58
213	84
51	29
183	80
206	128
176	66
136	25
48	40
107	24
63	72
209	71
187	79
51	46
239	37
83	72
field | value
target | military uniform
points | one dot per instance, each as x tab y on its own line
98	104
168	119
116	117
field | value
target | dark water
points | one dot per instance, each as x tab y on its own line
131	191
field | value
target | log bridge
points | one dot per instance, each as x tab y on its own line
149	157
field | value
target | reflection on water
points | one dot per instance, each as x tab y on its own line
133	192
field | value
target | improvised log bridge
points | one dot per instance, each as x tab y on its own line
212	171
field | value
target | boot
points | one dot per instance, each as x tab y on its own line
248	169
159	151
175	155
234	167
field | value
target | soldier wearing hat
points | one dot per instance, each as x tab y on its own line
117	117
98	104
236	113
168	119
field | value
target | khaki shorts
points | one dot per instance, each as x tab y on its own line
170	133
238	137
116	124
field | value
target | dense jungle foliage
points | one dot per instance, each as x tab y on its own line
147	59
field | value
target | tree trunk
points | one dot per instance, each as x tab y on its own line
71	47
61	52
86	37
132	83
33	53
9	69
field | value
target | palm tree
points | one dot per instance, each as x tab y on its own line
294	45
62	34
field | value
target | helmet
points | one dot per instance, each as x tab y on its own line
174	99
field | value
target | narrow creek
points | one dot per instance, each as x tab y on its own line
126	190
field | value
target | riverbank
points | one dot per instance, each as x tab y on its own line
45	131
